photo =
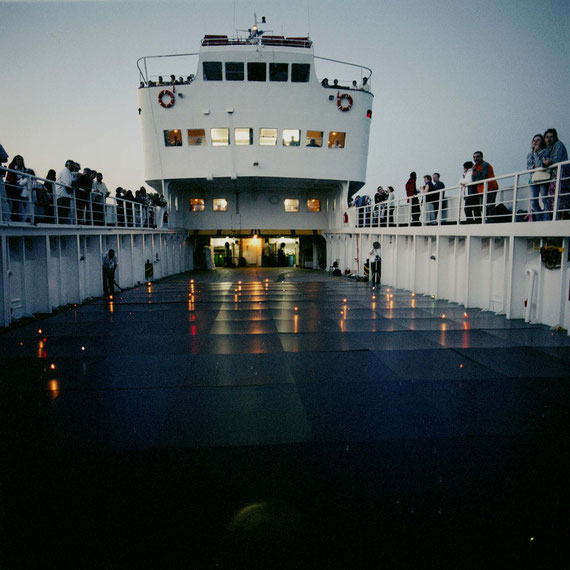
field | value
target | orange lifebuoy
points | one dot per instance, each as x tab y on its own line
344	97
164	93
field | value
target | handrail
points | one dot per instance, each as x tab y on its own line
33	200
345	63
144	58
517	199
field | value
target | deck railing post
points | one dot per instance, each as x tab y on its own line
556	192
515	197
484	211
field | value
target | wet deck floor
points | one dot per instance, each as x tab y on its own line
345	427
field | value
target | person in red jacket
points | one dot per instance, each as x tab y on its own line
481	171
411	192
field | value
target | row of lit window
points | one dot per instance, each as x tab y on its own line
244	137
221	205
256	71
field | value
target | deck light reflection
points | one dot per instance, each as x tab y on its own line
54	388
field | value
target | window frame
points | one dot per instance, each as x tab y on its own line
262	137
291	143
237	63
319	207
214	200
273	73
196	137
308	74
308	138
212	129
204	73
250	138
259	64
291	201
195	203
178	137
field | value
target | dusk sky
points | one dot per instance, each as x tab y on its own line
449	77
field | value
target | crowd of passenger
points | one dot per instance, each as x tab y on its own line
72	196
364	86
172	81
427	199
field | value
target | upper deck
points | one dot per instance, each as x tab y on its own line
252	109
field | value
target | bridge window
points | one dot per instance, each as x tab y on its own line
267	137
220	137
336	139
234	71
291	205
196	204
291	137
300	72
196	137
256	71
220	205
278	72
212	70
173	138
314	205
243	136
314	138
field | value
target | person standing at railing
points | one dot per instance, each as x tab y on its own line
64	192
375	257
556	152
412	194
469	192
391	200
481	171
438	196
533	161
430	212
4	204
83	196
15	181
44	199
129	203
99	194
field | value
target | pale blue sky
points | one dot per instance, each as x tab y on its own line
450	77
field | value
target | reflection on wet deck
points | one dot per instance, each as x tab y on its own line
382	418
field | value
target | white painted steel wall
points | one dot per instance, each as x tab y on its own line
282	105
42	272
488	272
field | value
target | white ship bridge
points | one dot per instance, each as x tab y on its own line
245	136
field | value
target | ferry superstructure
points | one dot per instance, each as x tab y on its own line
254	143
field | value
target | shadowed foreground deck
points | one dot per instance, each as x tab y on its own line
343	430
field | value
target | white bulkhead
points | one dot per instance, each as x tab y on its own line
254	119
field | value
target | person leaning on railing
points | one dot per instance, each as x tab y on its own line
15	181
4	204
538	189
556	152
64	192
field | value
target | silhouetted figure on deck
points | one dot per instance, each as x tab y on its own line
110	263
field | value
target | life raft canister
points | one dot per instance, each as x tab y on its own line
344	101
166	93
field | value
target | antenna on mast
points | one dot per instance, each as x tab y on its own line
254	32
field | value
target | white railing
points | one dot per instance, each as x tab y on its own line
26	199
517	199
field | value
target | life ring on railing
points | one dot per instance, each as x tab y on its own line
164	93
344	97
